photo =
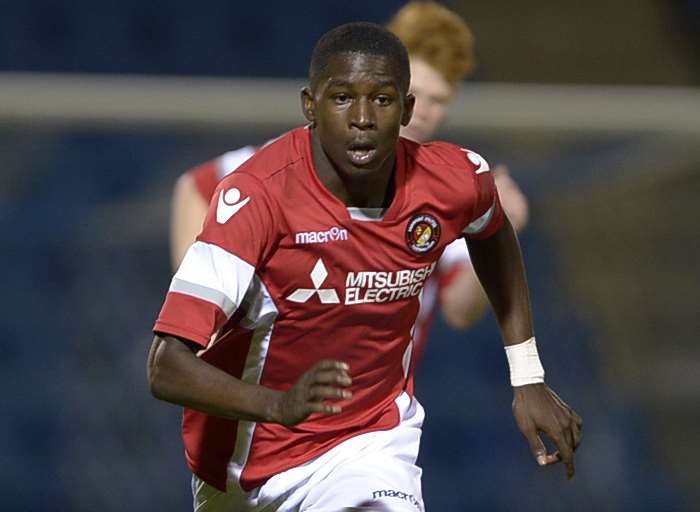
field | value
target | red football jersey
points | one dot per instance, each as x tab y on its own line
455	257
287	277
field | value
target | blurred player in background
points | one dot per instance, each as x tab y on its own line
441	52
307	271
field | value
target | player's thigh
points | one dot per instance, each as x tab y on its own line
209	499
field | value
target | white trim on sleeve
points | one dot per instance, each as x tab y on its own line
213	274
480	224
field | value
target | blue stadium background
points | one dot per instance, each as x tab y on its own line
85	266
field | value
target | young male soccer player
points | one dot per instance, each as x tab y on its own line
304	400
441	53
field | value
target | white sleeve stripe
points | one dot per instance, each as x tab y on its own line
215	274
202	292
479	224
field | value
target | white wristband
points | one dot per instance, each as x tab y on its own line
524	363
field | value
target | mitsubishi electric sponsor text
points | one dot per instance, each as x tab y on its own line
381	286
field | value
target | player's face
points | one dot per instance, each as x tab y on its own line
358	108
433	94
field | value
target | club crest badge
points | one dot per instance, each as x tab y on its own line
422	233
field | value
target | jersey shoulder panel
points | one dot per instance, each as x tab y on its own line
247	210
465	178
242	219
446	154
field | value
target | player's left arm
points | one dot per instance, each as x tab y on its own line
462	297
498	263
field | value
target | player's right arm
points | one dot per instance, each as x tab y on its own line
188	210
177	375
211	282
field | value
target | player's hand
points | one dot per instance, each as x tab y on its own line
323	382
512	198
538	409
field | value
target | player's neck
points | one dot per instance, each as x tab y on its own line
368	190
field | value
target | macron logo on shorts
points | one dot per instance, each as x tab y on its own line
391	493
229	204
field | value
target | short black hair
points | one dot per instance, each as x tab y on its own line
365	38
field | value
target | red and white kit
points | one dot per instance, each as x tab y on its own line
454	258
287	277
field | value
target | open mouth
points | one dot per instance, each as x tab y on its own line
361	153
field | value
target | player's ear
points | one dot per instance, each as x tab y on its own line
307	104
408	103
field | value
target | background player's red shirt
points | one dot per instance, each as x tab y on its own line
208	175
287	278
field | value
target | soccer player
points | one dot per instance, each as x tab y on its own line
304	399
440	48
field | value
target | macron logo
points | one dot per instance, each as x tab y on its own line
390	493
325	295
478	160
229	204
321	237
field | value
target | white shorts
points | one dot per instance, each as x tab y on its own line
376	471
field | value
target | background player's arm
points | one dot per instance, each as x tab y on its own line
177	375
498	263
463	299
188	211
